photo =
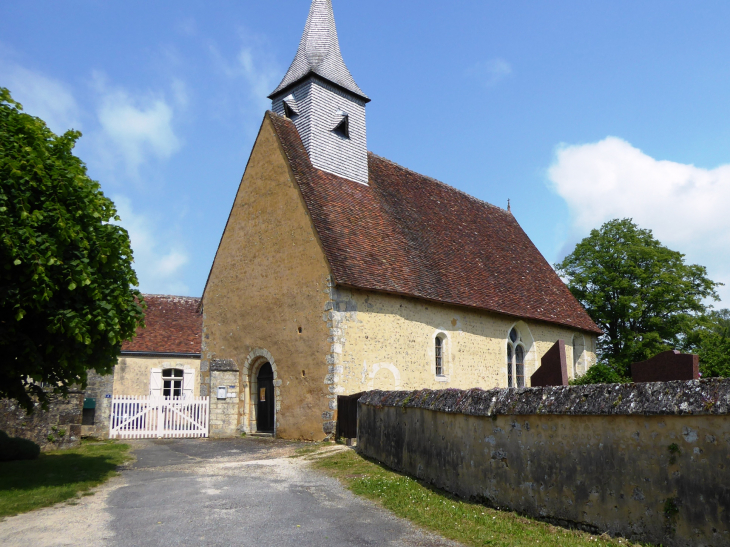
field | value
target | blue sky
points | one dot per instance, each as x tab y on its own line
577	111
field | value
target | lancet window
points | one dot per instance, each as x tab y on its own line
515	360
439	352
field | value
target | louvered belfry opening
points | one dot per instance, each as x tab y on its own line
320	96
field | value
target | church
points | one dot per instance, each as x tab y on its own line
340	271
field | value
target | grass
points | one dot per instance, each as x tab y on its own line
467	522
307	450
58	476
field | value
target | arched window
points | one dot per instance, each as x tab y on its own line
520	365
439	356
509	365
515	360
172	382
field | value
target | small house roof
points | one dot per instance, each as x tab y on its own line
172	325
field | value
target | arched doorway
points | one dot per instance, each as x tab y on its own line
265	406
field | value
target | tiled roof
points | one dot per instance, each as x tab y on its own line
173	325
412	235
319	52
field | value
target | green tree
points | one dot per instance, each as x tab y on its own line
713	346
67	296
640	293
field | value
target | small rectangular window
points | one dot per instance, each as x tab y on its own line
172	388
172	382
439	357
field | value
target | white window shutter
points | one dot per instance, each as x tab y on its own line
188	383
156	382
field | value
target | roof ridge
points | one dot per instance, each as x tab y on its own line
437	181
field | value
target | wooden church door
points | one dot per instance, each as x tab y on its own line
265	409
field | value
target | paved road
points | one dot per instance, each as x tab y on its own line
243	492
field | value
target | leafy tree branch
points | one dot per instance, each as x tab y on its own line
643	295
68	296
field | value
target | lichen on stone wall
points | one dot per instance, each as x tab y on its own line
223	365
696	397
647	462
57	427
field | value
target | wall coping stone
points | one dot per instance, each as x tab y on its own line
694	397
223	365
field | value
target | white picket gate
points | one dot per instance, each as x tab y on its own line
157	417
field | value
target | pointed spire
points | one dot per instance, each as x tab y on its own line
319	53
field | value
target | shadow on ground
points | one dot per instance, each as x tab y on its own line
54	470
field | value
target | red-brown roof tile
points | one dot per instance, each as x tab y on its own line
412	235
172	325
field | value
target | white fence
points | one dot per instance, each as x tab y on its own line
156	417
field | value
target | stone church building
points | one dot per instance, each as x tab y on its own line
340	271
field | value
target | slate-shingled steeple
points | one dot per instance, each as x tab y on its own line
320	96
319	53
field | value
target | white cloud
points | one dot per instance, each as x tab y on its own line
491	72
255	65
41	96
259	74
685	206
128	131
138	128
158	257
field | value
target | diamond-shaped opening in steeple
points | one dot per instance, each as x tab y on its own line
290	107
343	125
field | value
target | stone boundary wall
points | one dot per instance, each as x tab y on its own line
63	414
101	389
649	462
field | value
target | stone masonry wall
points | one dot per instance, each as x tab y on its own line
381	341
224	413
63	415
650	462
101	389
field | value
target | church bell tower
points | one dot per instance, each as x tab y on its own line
321	97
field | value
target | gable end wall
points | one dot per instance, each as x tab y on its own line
268	280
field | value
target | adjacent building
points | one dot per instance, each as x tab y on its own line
163	360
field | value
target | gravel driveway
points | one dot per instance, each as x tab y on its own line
246	492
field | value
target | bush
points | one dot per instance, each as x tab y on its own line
599	374
15	448
714	351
